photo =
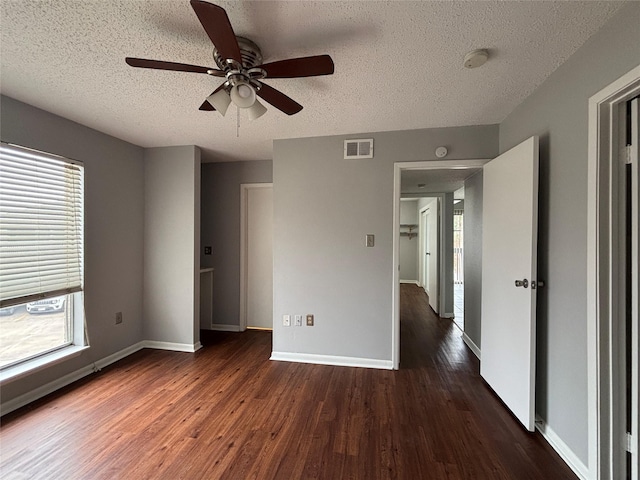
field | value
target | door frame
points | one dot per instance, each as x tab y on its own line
602	269
398	168
244	228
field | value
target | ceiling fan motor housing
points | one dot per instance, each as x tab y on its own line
251	55
238	75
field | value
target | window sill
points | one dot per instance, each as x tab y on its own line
30	366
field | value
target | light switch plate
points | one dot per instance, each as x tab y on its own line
370	239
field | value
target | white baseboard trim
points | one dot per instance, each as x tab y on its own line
447	315
68	379
471	344
415	282
225	328
332	360
175	347
561	448
125	352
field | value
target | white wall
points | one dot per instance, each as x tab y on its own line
114	218
557	112
323	208
172	245
409	246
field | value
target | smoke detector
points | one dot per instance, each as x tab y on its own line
476	58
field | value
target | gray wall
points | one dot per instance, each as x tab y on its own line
557	112
171	245
473	256
114	218
220	229
323	208
409	246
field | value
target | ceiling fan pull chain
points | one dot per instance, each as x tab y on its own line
238	122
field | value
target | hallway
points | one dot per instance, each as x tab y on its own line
466	425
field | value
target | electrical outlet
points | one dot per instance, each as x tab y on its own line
207	250
118	318
286	320
310	320
298	320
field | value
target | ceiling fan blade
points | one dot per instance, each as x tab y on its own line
300	67
206	106
178	67
216	23
278	99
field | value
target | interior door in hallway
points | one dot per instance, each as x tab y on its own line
431	258
509	248
258	237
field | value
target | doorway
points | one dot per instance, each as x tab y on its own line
430	250
256	256
614	426
404	170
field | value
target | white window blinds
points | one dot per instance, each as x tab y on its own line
41	225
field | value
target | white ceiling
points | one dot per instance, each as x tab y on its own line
434	181
398	64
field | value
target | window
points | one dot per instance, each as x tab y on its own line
41	257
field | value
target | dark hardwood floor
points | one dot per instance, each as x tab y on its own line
227	412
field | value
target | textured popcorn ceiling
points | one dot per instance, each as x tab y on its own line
398	65
434	181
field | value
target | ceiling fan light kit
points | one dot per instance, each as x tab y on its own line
239	60
220	100
256	110
243	95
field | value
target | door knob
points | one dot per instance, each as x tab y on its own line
522	283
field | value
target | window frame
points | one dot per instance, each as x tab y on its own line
77	334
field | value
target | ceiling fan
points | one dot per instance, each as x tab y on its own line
239	61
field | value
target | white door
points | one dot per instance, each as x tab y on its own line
422	264
259	256
509	243
432	257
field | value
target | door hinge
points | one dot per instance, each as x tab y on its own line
629	445
627	157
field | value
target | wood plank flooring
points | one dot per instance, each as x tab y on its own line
227	412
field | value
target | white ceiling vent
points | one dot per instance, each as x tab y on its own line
358	148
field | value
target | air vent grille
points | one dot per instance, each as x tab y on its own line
358	148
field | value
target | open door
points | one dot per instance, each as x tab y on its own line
509	281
